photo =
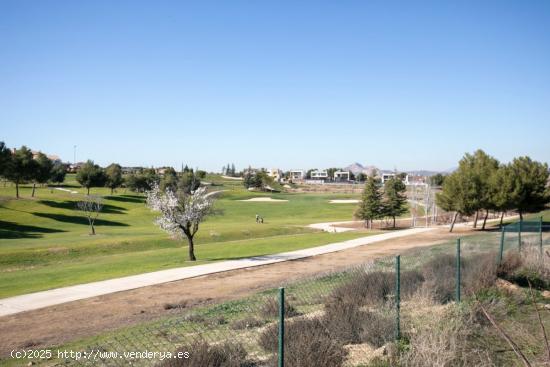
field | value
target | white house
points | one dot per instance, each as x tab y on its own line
297	175
342	176
386	176
319	175
275	173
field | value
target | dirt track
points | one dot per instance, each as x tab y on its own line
75	320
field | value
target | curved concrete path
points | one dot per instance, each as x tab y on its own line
57	296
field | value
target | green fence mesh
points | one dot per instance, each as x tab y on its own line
336	317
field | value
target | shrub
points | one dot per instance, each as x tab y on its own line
480	273
509	264
371	288
307	343
270	309
439	275
203	354
348	324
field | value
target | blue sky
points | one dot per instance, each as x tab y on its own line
288	84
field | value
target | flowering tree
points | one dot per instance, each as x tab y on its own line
180	212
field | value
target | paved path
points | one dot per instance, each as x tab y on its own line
57	296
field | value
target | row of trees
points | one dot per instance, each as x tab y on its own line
482	183
229	170
22	166
378	202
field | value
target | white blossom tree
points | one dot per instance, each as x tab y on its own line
180	212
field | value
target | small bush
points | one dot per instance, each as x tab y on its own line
439	275
480	273
371	288
203	354
348	324
270	309
247	323
510	263
307	343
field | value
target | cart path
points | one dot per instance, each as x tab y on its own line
33	301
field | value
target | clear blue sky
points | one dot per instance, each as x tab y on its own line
288	84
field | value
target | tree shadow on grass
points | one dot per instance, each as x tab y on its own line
127	198
71	205
11	230
78	219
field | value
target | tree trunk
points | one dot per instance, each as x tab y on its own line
17	189
394	221
501	218
520	215
485	219
453	222
33	189
191	249
112	189
88	191
475	218
93	229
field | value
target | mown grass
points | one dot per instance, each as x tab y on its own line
45	242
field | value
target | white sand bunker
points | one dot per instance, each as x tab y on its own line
344	201
264	199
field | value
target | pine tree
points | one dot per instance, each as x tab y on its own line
395	203
370	207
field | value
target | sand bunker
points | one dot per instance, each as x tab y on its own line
344	201
264	199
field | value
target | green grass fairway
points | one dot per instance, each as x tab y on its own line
44	241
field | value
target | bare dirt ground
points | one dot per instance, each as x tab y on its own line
75	320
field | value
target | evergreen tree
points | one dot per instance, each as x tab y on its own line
20	168
113	176
5	158
42	170
458	195
58	172
395	203
90	175
529	191
501	186
370	207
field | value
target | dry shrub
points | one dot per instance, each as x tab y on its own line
203	354
532	268
509	264
270	309
307	343
246	323
479	272
371	288
349	324
375	288
445	338
439	275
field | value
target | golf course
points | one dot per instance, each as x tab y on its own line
45	241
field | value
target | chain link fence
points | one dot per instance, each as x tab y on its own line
334	319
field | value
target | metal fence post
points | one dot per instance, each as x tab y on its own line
281	353
458	270
397	297
501	252
519	234
540	235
